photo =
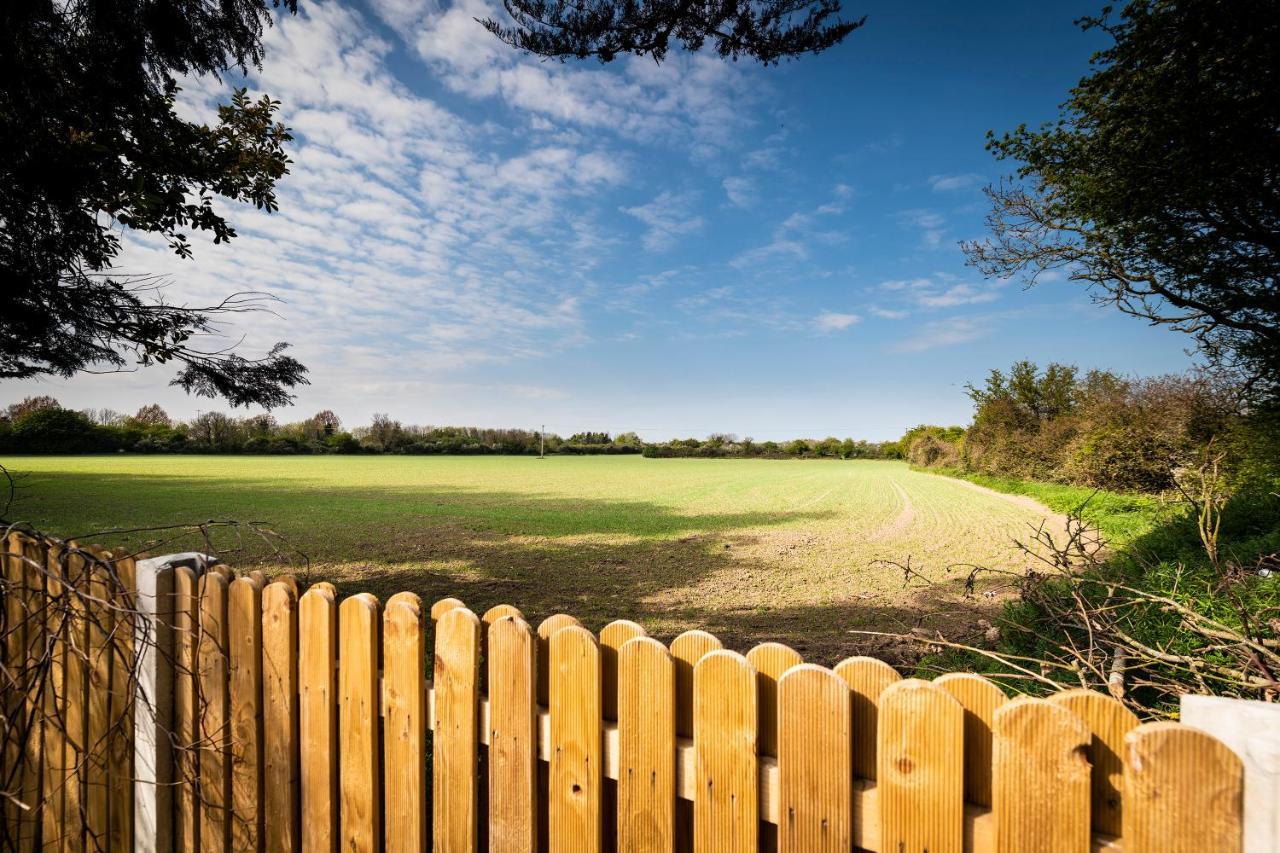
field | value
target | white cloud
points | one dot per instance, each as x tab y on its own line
889	313
668	217
830	321
952	331
940	291
943	183
740	191
932	225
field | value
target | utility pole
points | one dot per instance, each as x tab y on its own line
542	442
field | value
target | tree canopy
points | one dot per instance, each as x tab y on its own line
92	142
763	30
1159	185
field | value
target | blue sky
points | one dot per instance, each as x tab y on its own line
473	236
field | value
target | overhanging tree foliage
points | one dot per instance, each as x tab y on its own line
92	143
1159	186
764	30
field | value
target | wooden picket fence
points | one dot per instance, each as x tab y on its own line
298	722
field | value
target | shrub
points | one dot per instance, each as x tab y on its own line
56	431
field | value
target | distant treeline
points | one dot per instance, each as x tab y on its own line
41	425
1102	430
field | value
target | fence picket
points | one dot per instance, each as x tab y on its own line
1185	792
120	747
245	641
26	612
815	760
456	741
73	699
980	699
281	730
646	747
212	699
360	778
99	626
405	726
513	736
920	772
186	707
443	606
1109	721
546	628
612	638
318	720
577	760
867	678
1040	785
499	611
725	724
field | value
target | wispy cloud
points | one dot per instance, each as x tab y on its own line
953	331
945	183
931	224
940	291
741	191
668	217
831	321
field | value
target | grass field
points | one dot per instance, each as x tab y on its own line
749	549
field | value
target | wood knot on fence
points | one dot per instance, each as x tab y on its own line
215	712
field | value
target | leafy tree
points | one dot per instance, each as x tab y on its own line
764	30
153	415
54	430
93	144
31	404
1158	186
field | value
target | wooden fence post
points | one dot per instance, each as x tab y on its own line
646	747
1041	784
726	811
513	736
577	761
456	738
815	761
1184	790
920	769
213	717
405	725
245	647
281	726
358	724
318	720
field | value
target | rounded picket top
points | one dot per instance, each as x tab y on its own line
409	598
278	597
324	590
443	606
771	660
290	579
549	626
1041	778
815	760
1184	791
687	649
327	587
980	698
612	638
867	678
500	611
259	576
546	628
1109	721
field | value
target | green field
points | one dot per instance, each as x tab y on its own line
749	549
